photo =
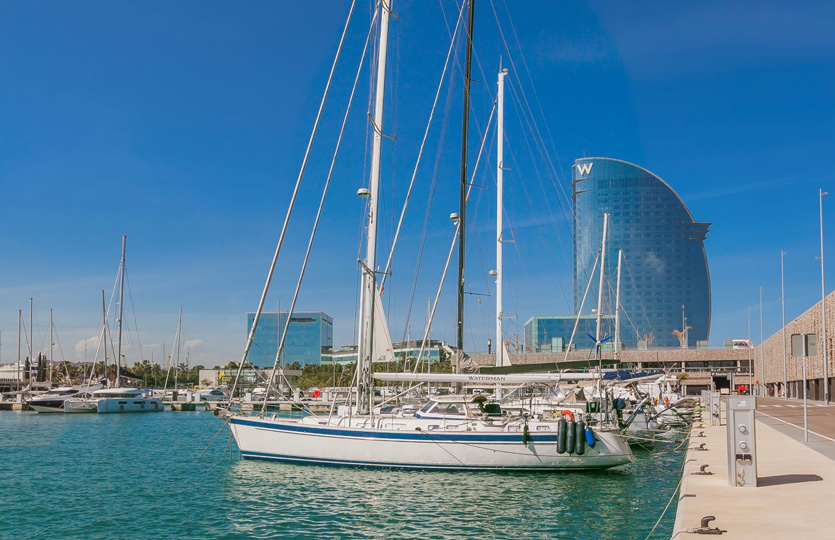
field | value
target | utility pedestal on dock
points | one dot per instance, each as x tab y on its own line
711	401
742	440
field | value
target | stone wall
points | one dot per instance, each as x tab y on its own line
768	364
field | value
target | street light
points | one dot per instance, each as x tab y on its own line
783	300
762	351
823	308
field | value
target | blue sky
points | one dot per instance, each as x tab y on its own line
183	126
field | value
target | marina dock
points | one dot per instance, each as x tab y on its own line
796	480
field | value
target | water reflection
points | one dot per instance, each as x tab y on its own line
115	476
304	501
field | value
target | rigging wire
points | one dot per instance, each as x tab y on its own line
284	227
316	220
529	117
451	249
578	229
135	324
422	145
580	310
538	224
545	198
433	183
641	302
530	79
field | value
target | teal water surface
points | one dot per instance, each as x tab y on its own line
140	475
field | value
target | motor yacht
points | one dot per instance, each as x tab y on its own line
119	400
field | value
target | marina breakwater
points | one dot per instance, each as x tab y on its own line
116	476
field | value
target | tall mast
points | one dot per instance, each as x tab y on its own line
617	309
121	309
177	354
600	314
462	211
600	287
499	224
31	339
19	328
103	333
366	339
51	348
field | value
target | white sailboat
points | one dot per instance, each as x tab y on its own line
117	399
448	433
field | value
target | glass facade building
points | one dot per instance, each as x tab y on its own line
309	338
406	352
665	278
552	333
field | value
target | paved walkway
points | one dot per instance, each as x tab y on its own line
794	498
786	416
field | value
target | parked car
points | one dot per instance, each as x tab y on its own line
214	394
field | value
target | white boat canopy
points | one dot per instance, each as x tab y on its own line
514	378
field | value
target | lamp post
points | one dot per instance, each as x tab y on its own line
783	301
762	350
752	364
823	308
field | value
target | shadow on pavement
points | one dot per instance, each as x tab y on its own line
782	479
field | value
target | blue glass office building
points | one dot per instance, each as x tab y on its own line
309	338
665	277
552	333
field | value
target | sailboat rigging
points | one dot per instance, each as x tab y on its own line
449	432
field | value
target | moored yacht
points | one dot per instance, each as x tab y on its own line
53	400
448	433
118	400
81	404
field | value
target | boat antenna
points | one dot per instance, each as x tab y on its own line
462	210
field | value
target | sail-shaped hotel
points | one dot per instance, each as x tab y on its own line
665	278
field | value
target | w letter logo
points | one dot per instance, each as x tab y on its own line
584	168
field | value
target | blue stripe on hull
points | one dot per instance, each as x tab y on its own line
402	435
404	466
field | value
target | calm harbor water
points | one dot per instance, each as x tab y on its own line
116	476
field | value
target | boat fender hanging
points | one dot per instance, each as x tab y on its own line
591	440
526	433
562	428
569	414
580	438
572	436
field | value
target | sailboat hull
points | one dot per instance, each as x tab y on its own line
48	405
410	448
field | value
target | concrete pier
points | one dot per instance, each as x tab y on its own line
796	481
